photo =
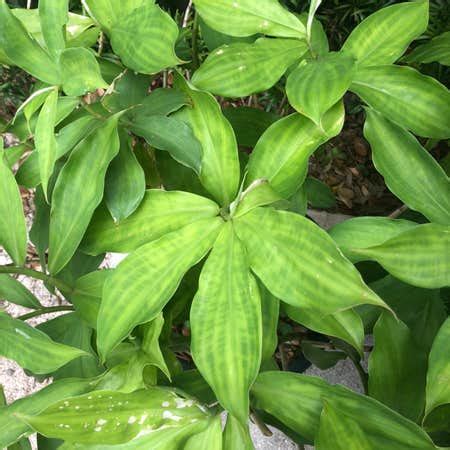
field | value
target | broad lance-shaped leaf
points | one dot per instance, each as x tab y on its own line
172	135
397	368
313	7
339	432
45	141
107	12
220	163
409	170
280	393
385	35
32	349
438	386
125	181
80	72
437	49
24	51
74	200
226	313
392	90
248	17
364	232
15	292
11	429
314	272
317	84
13	231
150	276
87	295
346	325
241	69
236	436
145	39
210	438
159	213
113	417
33	103
54	17
281	155
270	312
419	256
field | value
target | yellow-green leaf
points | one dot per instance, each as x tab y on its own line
236	436
395	90
317	84
306	268
419	256
159	213
281	155
145	39
13	231
160	265
54	17
15	292
74	200
248	17
226	313
241	69
385	35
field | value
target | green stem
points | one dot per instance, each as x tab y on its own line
50	309
195	58
362	375
59	284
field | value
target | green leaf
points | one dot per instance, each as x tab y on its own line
159	213
248	17
107	12
436	50
280	393
125	181
418	256
423	313
319	194
150	344
24	51
270	311
172	135
281	155
33	103
236	436
364	232
317	84
220	164
40	228
385	35
161	102
53	18
11	429
80	72
242	69
87	295
322	359
313	7
145	39
392	90
226	313
339	432
211	438
113	417
345	325
45	141
314	272
13	231
428	191
32	349
69	330
161	263
438	387
397	368
74	201
248	123
15	292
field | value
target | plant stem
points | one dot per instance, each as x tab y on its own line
59	284
50	309
398	212
362	375
260	424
